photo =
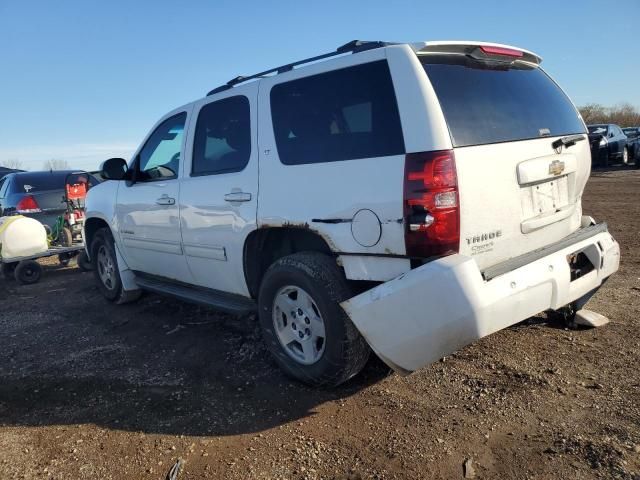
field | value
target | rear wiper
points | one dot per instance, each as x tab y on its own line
567	142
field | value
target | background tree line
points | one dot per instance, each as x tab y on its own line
623	115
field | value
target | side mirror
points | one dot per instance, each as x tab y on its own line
113	169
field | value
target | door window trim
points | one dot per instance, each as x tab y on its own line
195	133
134	169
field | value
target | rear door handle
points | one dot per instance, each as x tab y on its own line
238	197
166	200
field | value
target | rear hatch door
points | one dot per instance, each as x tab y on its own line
518	192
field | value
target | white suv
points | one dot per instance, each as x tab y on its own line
404	198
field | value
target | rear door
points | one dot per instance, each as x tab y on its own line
517	192
219	192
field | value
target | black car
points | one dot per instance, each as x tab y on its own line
608	144
39	195
4	171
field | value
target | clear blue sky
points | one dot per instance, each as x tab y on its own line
84	80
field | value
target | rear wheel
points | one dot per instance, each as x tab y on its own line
66	237
625	156
27	272
106	269
310	336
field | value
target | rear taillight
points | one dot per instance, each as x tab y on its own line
431	204
28	204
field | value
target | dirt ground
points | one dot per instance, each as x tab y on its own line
90	390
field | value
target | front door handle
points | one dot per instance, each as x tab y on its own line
238	197
166	200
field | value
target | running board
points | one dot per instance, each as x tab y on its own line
227	302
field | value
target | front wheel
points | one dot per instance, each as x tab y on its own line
106	270
310	336
28	272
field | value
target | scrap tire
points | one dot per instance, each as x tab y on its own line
345	351
84	263
27	272
105	263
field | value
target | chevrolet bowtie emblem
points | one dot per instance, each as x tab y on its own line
556	167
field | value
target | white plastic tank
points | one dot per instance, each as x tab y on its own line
21	237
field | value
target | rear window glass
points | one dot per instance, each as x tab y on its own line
44	181
485	103
597	129
339	115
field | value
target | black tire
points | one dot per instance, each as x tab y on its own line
625	152
112	290
65	258
84	263
345	351
8	269
27	272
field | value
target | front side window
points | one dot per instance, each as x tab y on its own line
344	114
159	159
222	142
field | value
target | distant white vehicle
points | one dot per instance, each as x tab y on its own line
404	198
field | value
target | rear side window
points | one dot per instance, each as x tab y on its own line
339	115
223	137
485	103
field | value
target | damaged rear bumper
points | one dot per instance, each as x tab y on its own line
433	310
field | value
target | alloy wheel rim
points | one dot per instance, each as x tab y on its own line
106	268
299	325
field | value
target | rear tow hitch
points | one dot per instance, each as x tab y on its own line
571	318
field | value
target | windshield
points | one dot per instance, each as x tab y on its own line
597	129
630	131
490	103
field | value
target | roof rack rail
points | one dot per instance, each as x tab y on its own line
353	46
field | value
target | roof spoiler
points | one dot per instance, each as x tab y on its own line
476	49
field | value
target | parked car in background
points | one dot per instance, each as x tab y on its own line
4	171
633	142
608	144
411	199
38	195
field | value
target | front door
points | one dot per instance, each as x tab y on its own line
147	207
219	194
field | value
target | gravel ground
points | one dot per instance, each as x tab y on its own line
97	391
